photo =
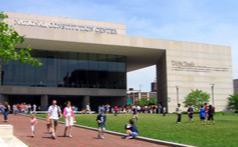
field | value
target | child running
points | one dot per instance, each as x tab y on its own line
101	120
33	122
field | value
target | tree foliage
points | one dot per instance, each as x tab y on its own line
143	102
153	101
9	39
196	98
146	102
233	102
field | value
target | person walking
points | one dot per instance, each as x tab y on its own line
15	110
54	113
116	110
33	125
190	113
164	111
69	119
101	121
134	113
211	111
6	110
202	114
206	107
179	114
34	107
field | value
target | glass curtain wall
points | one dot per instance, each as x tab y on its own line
68	69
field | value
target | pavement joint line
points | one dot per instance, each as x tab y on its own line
151	140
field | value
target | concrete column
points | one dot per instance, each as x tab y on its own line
85	101
161	74
3	98
44	102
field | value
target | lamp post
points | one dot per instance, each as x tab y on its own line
212	93
177	93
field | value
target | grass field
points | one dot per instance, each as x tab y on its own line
223	134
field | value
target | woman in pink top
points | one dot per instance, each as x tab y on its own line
69	119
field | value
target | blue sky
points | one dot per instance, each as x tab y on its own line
210	21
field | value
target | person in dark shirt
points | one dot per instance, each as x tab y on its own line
211	111
101	120
190	113
6	110
131	130
135	113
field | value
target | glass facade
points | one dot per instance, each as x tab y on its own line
68	69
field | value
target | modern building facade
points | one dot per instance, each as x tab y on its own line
87	61
235	83
136	95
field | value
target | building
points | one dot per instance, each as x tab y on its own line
136	95
235	83
87	61
153	86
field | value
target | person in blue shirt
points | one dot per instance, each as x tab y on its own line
202	114
101	120
131	130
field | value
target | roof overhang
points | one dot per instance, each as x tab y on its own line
137	57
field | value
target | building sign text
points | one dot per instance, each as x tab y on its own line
55	25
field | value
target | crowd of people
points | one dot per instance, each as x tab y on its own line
54	113
152	109
206	113
20	108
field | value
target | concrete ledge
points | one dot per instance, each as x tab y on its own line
7	139
156	141
6	130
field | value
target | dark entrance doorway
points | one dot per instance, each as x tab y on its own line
28	99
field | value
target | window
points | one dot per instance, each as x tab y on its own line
69	69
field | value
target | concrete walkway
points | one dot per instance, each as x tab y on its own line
81	137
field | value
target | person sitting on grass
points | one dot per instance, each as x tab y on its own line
101	120
131	130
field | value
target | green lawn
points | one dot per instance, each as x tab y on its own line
223	134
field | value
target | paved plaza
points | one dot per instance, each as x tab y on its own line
81	137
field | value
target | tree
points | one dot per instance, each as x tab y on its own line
196	98
233	102
147	101
9	39
153	101
143	102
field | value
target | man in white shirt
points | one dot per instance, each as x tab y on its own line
34	108
179	113
54	113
